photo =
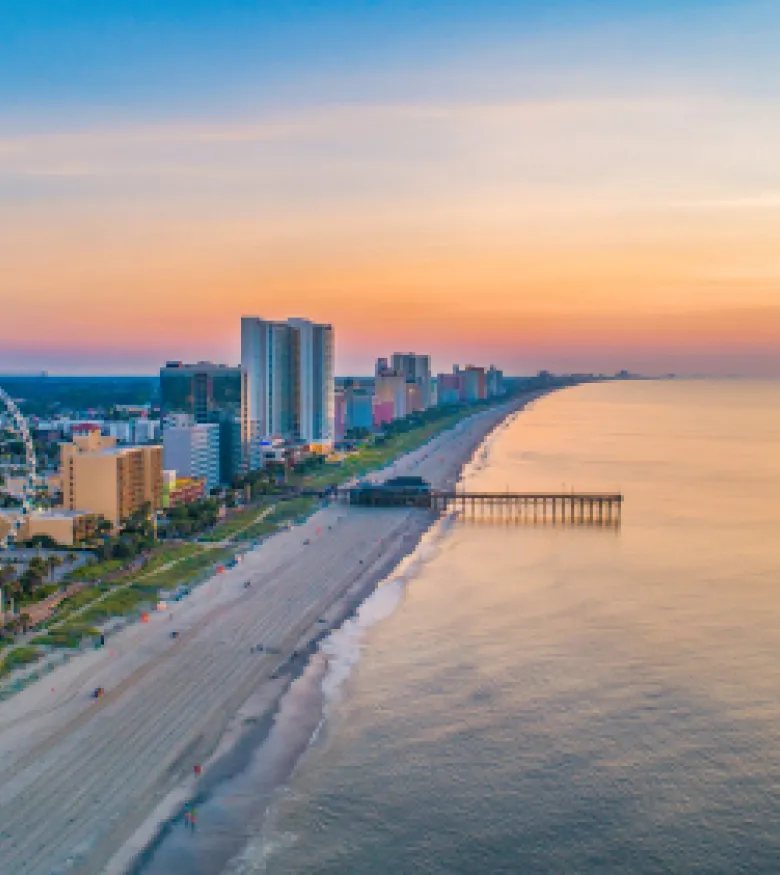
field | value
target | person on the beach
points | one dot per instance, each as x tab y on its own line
193	819
187	818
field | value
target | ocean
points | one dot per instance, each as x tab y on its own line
527	699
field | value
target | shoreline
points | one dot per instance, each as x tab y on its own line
126	763
238	743
250	727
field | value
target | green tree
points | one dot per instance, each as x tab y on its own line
43	542
32	578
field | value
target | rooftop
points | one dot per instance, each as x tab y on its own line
60	513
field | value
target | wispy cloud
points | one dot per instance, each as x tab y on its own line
98	151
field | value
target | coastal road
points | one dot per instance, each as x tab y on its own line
78	784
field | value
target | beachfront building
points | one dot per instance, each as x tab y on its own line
340	408
316	375
290	382
114	482
383	412
471	383
494	382
359	409
417	371
211	394
414	398
191	449
447	389
390	389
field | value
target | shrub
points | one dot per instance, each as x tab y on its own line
70	635
18	657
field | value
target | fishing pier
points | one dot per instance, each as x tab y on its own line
602	508
583	508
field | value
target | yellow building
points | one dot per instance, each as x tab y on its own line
66	527
115	482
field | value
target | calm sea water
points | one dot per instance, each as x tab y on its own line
541	699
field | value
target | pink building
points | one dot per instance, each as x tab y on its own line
390	388
383	412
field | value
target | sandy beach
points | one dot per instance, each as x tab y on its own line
85	783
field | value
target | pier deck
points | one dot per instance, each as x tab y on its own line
602	508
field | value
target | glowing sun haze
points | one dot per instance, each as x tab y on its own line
587	186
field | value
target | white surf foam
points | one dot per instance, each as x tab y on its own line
343	647
341	650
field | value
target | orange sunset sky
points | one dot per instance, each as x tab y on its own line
587	190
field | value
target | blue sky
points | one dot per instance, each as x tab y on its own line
148	59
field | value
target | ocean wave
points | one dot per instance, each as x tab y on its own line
311	699
342	648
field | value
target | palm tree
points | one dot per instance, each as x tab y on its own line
53	561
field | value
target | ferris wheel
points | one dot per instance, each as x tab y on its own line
30	479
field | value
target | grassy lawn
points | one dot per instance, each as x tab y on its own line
169	554
97	605
18	657
259	530
78	600
69	635
240	520
183	571
115	604
96	571
118	569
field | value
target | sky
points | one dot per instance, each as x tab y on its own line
576	185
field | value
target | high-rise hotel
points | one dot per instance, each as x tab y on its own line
290	381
